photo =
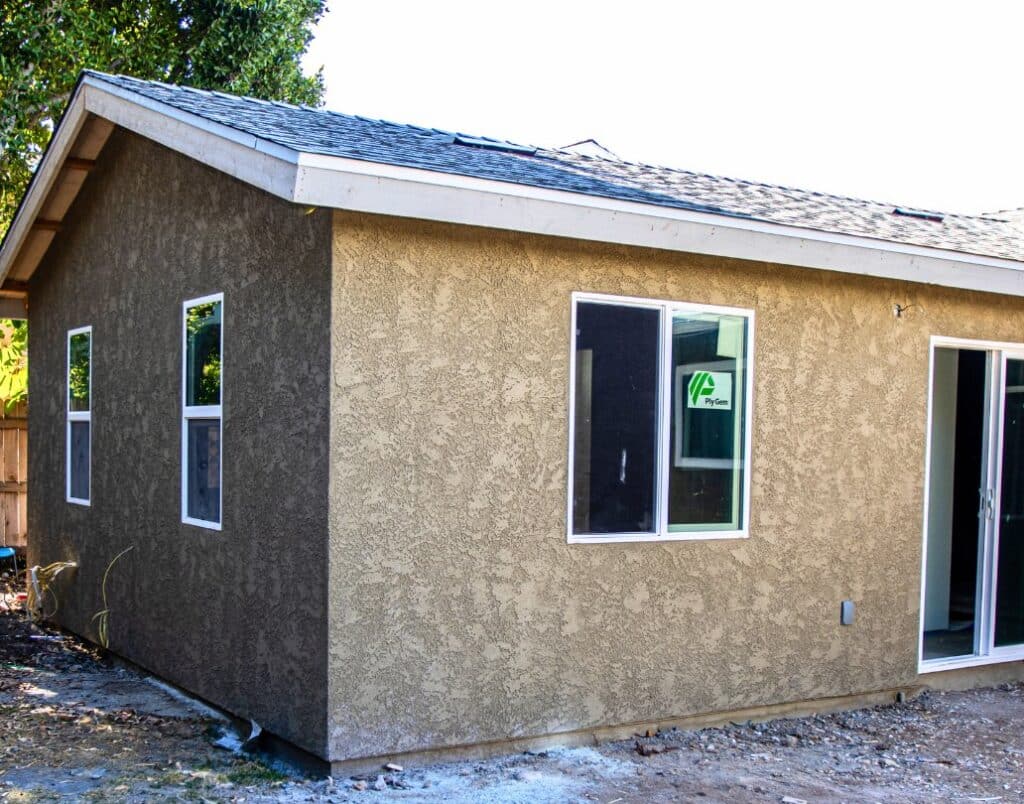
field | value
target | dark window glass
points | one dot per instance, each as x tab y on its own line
204	469
79	463
707	427
957	466
78	372
1009	628
616	422
202	355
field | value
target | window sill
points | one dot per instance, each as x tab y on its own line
696	536
201	523
956	663
77	501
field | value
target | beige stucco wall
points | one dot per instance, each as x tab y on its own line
458	612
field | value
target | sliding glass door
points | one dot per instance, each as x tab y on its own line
973	586
1008	583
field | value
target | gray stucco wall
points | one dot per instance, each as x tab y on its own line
236	616
458	612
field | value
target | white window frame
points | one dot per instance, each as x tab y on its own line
76	416
200	412
664	449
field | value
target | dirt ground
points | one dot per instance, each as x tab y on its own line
76	726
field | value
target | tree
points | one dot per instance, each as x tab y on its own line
13	361
246	47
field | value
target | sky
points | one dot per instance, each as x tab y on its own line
920	104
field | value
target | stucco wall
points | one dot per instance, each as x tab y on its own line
236	616
458	612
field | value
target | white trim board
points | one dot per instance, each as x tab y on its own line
72	416
189	412
362	186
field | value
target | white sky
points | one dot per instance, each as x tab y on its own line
918	103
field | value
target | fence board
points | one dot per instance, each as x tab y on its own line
14	477
11	455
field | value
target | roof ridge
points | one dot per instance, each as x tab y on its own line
199	90
300	107
772	186
1008	211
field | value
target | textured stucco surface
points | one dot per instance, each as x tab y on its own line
458	612
236	616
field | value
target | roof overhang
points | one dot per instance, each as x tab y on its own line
350	184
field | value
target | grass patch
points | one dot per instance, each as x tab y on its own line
28	796
172	778
253	773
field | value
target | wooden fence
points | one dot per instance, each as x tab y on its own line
14	482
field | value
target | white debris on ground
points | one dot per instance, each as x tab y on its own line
74	726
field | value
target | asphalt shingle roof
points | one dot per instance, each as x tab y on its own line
324	132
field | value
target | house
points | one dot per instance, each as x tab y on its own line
427	444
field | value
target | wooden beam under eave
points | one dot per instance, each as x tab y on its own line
32	251
75	170
75	163
45	225
63	194
14	286
13	308
14	299
92	138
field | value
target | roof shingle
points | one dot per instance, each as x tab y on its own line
319	131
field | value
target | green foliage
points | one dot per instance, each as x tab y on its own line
13	362
246	47
249	47
78	371
202	322
249	773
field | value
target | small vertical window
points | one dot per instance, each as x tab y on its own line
201	430
705	482
79	415
616	422
660	444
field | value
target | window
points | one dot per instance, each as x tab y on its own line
659	420
202	382
79	410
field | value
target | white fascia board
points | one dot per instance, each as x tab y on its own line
409	192
263	164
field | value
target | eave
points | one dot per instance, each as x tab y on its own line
350	184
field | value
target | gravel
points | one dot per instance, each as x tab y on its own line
76	726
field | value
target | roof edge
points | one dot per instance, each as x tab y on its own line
426	195
42	179
357	185
312	189
264	164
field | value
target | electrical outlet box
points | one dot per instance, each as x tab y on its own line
846	612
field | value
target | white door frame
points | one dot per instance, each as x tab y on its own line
992	450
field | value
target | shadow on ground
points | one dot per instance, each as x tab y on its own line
74	726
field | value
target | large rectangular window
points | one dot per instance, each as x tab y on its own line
660	413
79	415
202	388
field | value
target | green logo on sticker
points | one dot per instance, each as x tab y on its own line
701	384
